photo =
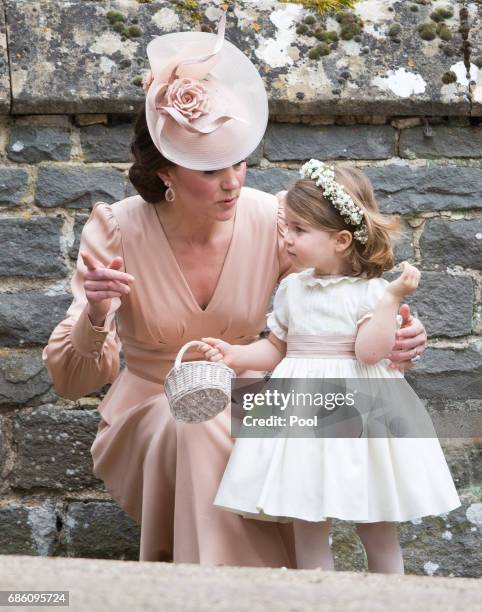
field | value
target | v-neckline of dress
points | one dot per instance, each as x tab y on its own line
222	273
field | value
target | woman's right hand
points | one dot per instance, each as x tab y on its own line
101	284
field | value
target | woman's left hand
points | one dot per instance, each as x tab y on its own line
411	340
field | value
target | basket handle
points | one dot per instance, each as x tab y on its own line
184	348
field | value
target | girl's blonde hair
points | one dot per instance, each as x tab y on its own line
306	201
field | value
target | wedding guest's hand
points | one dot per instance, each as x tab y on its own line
219	350
101	284
410	343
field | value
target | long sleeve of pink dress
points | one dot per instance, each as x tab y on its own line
79	356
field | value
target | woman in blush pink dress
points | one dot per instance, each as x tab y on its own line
194	254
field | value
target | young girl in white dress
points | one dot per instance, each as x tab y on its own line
335	319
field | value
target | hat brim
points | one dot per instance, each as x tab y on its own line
234	140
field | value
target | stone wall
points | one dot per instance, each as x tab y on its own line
64	145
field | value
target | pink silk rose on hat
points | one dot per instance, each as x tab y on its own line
189	97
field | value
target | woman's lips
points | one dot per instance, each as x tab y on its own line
228	203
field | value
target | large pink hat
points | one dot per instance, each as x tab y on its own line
206	105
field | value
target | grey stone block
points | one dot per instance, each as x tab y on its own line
446	545
28	530
445	374
452	243
53	448
271	180
410	190
29	317
34	144
256	155
78	187
13	186
464	458
403	247
444	142
24	379
285	141
3	448
444	303
100	530
31	248
79	223
104	143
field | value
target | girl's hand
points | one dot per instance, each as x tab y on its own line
219	350
411	341
406	283
101	284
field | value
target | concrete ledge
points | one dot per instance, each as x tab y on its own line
74	57
129	585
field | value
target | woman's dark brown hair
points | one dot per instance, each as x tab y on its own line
306	201
147	161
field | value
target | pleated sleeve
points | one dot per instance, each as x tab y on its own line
278	319
79	356
374	290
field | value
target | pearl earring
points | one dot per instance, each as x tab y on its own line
170	194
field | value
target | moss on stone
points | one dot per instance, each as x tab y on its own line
309	20
442	13
449	77
137	81
133	31
301	28
326	36
191	7
443	32
478	61
427	30
323	6
414	8
351	25
115	17
119	27
319	51
395	30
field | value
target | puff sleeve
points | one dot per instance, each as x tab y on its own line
374	289
79	356
285	263
277	321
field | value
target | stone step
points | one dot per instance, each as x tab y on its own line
128	585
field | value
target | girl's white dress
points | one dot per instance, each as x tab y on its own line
358	479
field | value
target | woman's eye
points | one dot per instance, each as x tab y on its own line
299	230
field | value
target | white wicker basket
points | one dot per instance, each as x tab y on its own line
197	390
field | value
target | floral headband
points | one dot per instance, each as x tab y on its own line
324	177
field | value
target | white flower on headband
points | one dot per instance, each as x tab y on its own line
324	177
189	97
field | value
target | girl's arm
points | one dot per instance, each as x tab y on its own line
376	336
261	356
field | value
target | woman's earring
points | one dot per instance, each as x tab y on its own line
170	193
